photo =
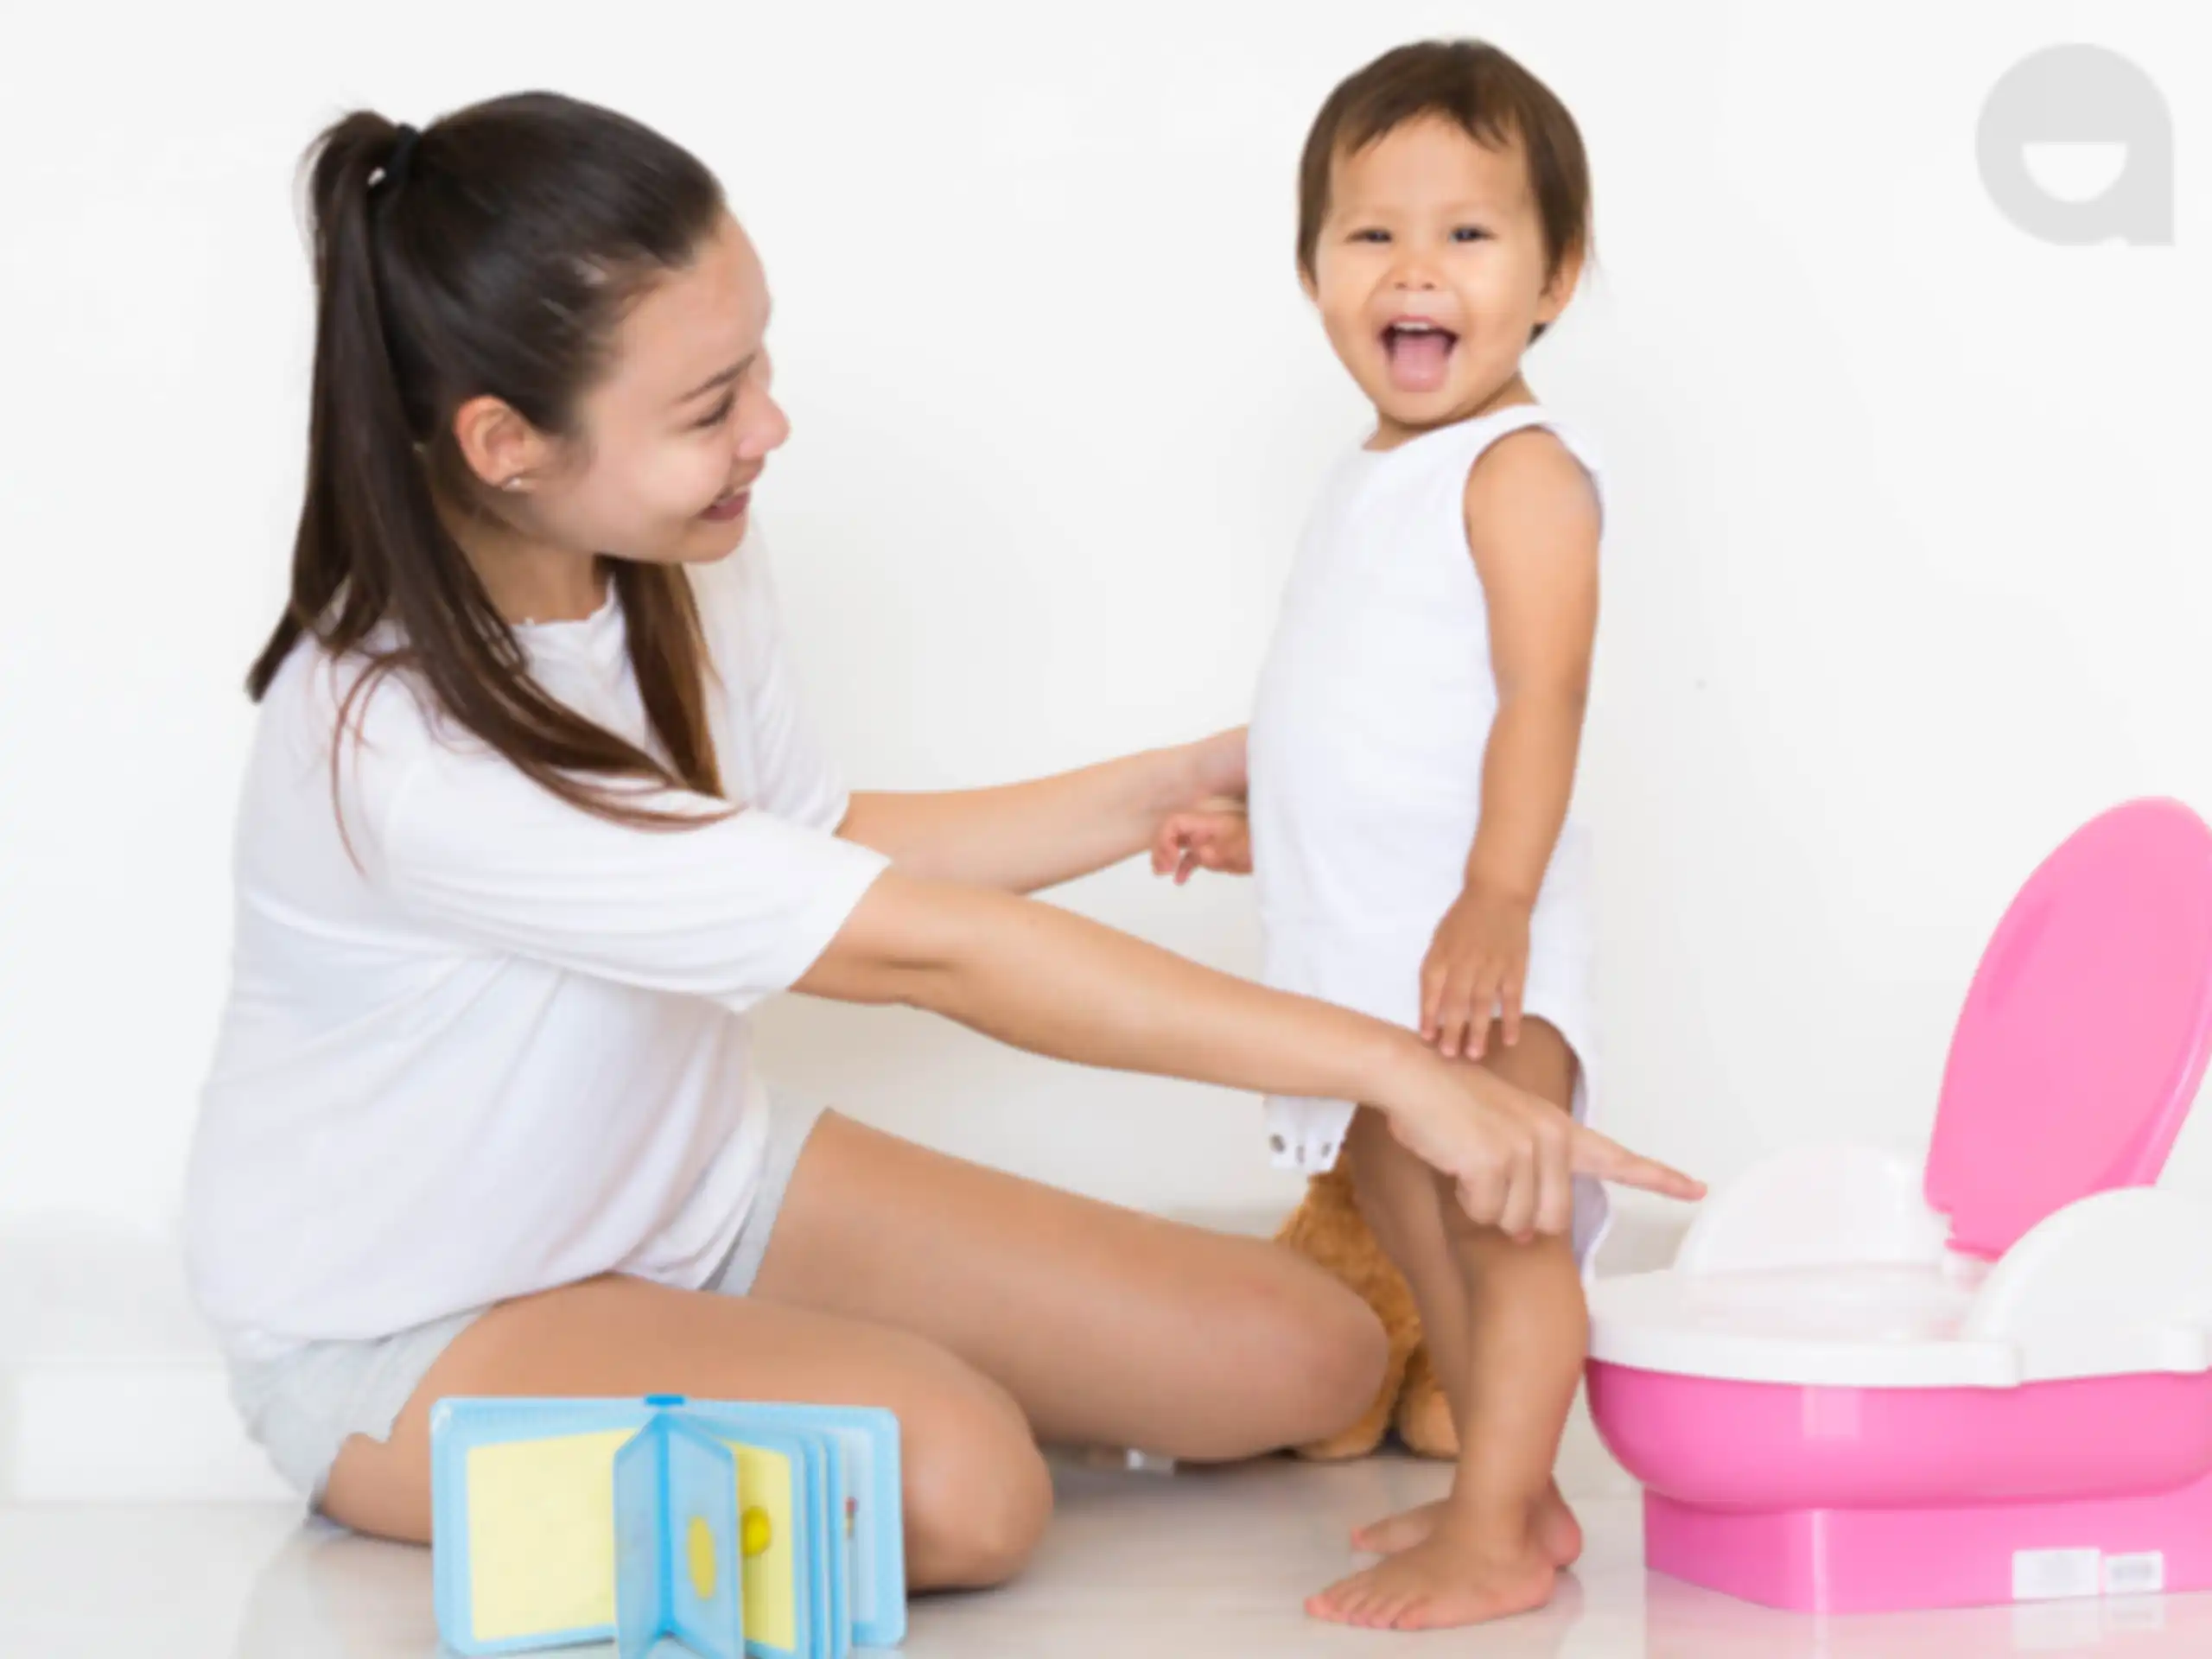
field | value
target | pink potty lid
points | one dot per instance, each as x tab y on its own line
2085	1031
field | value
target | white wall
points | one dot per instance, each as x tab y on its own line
1909	574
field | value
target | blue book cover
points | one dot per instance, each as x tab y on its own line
543	1509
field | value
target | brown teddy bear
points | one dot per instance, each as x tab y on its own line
1328	1228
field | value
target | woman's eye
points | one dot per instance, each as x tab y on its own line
720	413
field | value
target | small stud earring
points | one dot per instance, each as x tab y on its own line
514	483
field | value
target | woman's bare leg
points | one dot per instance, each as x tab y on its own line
977	1492
985	1310
1108	1326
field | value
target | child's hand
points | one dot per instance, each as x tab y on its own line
1477	969
1217	838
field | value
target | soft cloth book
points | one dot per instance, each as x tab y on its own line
726	1527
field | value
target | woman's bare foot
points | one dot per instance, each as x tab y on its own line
1459	1575
1556	1531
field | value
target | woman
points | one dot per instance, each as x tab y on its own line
534	818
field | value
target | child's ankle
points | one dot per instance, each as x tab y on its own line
1504	1519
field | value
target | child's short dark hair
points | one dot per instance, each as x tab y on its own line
1490	97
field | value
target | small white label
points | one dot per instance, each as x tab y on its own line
2136	1575
2057	1574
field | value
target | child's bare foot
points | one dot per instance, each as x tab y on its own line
1456	1575
1400	1531
1557	1532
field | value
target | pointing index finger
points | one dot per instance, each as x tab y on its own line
1594	1154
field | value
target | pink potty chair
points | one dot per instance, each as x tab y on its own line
1866	1387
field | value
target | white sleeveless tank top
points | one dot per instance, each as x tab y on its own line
1367	743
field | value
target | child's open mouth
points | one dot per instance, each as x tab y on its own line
1418	353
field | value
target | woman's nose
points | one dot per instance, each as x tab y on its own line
766	432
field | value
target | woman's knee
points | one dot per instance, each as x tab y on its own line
1336	1349
978	1492
1302	1356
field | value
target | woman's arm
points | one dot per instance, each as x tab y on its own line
1041	979
1022	838
743	905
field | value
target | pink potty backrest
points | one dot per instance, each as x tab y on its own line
2085	1031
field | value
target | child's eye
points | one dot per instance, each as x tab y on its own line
1371	236
1469	233
720	413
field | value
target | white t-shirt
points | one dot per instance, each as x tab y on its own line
508	1048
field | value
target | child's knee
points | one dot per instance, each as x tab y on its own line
1543	1062
1396	1192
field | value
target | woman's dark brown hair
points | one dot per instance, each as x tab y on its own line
493	254
1487	95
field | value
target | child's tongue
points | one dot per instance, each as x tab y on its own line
1417	360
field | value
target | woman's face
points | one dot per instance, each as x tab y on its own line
678	429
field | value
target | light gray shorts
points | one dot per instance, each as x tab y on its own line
301	1407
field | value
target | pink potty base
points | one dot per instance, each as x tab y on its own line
1875	1500
1899	1560
1868	1386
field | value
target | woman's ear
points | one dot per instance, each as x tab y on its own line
500	448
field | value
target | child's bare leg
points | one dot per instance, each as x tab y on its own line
1400	1199
1406	1208
1403	1206
1494	1547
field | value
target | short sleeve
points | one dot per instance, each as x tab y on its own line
734	908
793	775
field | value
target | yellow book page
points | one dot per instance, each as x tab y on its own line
541	1535
765	1523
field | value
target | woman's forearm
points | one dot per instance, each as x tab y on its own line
1041	978
1022	837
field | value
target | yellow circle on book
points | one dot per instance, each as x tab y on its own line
757	1533
701	1542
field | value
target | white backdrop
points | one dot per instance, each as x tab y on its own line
1908	574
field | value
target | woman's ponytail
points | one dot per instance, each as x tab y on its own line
365	488
493	254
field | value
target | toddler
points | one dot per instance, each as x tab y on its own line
1413	754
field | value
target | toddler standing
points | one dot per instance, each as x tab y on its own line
1413	754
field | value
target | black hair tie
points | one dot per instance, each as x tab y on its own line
393	173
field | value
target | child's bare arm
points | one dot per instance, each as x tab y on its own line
1532	520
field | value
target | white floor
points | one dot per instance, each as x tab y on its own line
1190	1564
137	1522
